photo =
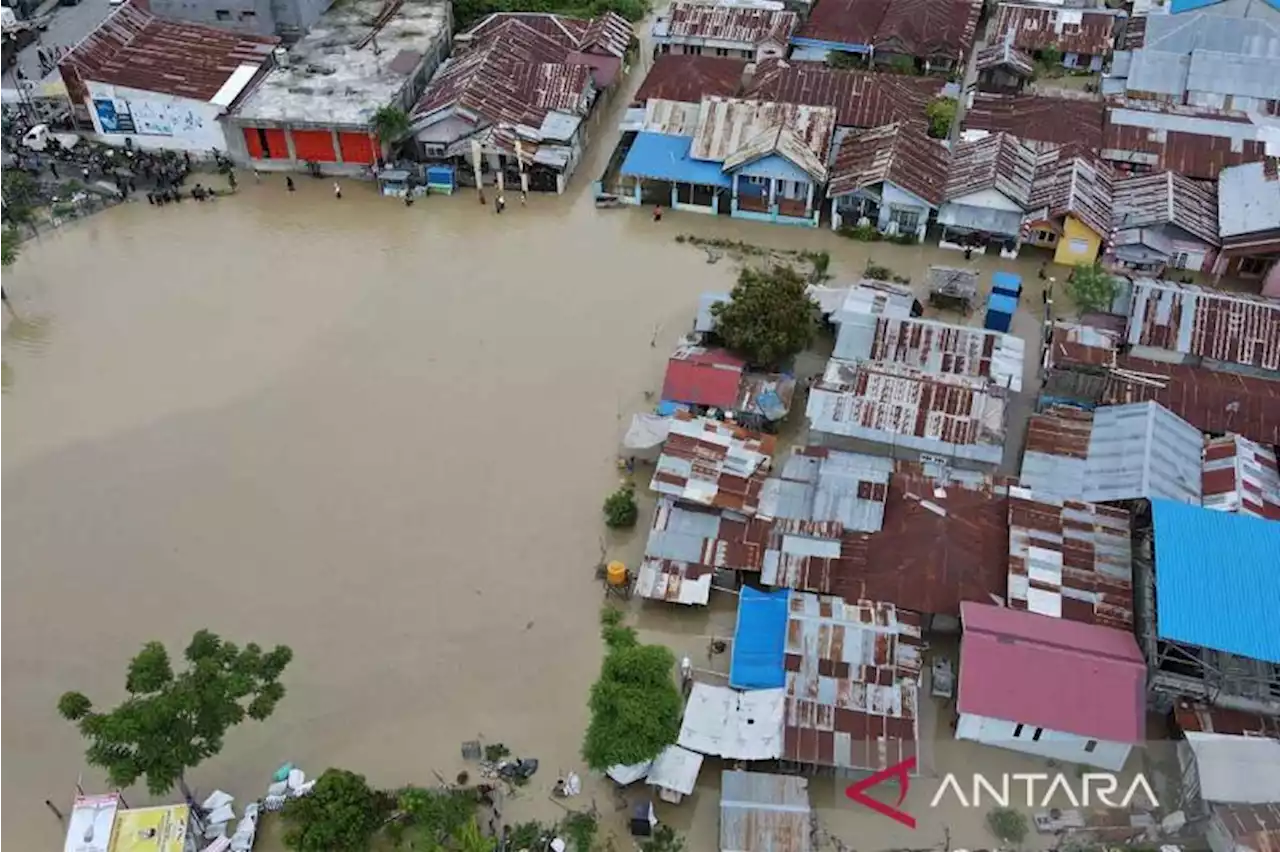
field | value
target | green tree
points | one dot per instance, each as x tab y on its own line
901	65
769	317
1050	58
620	509
664	839
1092	288
341	814
21	194
171	722
842	59
9	247
391	124
941	113
436	815
469	838
635	705
1008	825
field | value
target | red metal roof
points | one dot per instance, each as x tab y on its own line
1038	27
1038	118
1081	346
926	29
709	463
1200	155
860	98
1062	675
687	78
901	154
1060	431
134	48
698	376
1078	186
1210	400
1238	328
1241	476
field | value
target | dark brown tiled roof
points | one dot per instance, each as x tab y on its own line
1038	27
1210	400
928	29
136	49
901	154
860	98
687	78
1039	119
1194	154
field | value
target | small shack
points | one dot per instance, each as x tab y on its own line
675	773
442	179
760	812
953	289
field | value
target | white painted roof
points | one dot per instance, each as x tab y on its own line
725	722
1235	769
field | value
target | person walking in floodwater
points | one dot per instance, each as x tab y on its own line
337	190
288	181
499	204
657	213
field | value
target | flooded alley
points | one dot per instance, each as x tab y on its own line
379	435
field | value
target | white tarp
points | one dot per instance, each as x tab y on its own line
623	774
676	769
646	435
724	722
1236	770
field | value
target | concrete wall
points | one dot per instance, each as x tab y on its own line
1055	744
158	121
289	19
733	50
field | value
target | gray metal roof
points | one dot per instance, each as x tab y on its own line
830	485
1232	74
684	535
1199	31
763	813
1159	72
1143	450
1248	203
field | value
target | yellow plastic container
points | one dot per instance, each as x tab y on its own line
616	573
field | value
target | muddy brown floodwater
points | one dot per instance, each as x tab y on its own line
380	435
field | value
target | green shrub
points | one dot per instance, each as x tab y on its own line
620	509
1008	825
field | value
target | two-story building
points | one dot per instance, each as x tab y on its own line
733	31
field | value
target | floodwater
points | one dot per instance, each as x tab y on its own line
380	435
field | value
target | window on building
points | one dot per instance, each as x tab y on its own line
1035	738
222	14
1090	746
1252	265
908	220
694	49
1180	260
722	51
666	48
248	15
1017	731
1047	237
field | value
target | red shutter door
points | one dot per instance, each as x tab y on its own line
357	148
314	145
252	143
277	146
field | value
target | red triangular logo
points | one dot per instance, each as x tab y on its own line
899	771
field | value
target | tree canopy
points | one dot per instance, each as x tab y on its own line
769	317
1091	288
635	705
341	814
8	247
941	113
390	123
172	721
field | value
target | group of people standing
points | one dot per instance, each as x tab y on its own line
50	57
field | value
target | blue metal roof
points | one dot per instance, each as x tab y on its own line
657	156
1178	6
760	640
1007	281
1217	579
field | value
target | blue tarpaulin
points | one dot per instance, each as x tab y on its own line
657	156
760	640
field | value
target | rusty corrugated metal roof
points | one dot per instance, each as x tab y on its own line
860	98
853	681
1234	327
1254	827
736	132
1055	459
1077	345
744	25
1142	201
710	463
943	349
688	78
926	29
1079	186
1192	716
1069	559
1086	31
764	813
1000	162
1190	143
1241	476
1210	400
1039	118
134	48
687	544
901	153
1004	54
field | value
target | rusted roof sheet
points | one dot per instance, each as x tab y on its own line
1000	162
1234	327
1079	186
687	544
688	78
1210	400
743	25
134	48
736	132
764	813
1166	198
1078	345
1039	118
1241	476
1070	559
1192	716
893	404
860	98
902	154
671	118
1255	827
1198	146
836	490
938	348
710	463
1088	32
608	33
1055	460
1004	54
942	542
853	683
927	29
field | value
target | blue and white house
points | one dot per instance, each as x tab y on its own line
751	159
892	177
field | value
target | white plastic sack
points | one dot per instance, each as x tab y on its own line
242	841
222	814
214	831
222	844
279	788
273	803
296	778
305	788
572	784
251	811
557	845
247	826
217	799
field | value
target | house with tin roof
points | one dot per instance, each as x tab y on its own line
1069	208
861	99
162	84
1083	38
1050	687
928	35
1203	326
1003	68
689	77
1249	223
1162	221
1035	118
893	177
1267	10
728	31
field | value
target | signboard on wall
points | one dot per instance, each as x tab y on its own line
114	116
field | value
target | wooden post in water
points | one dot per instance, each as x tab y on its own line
476	154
